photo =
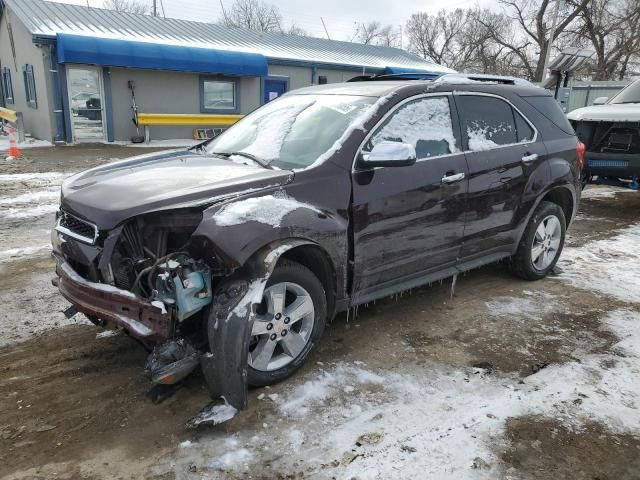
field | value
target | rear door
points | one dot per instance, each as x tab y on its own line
502	150
409	220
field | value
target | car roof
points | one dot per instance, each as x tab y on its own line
379	88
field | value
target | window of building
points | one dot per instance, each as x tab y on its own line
424	123
219	95
487	121
7	86
30	86
322	80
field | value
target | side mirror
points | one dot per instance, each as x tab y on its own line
390	154
600	100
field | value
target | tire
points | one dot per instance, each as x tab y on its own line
288	353
525	264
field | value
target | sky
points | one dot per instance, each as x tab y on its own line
340	16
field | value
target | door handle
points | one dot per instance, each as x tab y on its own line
530	158
454	177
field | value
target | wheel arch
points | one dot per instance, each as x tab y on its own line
307	253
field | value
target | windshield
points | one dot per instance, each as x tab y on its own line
630	94
293	131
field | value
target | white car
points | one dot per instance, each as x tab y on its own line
610	130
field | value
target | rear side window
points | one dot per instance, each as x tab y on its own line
488	122
548	107
424	123
525	132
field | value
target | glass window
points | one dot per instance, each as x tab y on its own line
219	94
294	131
525	132
30	86
629	94
7	86
487	121
424	123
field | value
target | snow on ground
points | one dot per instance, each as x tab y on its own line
439	421
600	192
610	266
28	143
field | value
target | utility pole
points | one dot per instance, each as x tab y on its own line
325	28
552	34
155	8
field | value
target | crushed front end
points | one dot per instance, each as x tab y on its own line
139	277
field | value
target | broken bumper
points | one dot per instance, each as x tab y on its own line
115	307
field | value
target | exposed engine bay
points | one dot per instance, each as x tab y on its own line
609	137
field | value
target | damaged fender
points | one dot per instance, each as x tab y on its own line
230	323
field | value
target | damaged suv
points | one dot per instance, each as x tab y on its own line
233	255
610	130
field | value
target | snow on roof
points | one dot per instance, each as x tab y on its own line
46	19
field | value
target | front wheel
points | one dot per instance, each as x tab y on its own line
541	244
289	321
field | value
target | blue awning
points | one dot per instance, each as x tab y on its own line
132	54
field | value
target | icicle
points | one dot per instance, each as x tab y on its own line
453	285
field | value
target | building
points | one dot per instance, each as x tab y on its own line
71	70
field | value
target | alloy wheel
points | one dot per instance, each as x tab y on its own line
282	327
546	242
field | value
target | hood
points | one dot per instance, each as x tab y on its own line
112	193
611	112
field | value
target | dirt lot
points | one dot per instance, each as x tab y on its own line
507	379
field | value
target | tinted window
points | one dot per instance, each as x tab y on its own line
548	107
487	121
525	132
424	123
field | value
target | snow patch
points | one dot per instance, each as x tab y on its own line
605	266
269	210
16	253
33	212
531	307
33	197
599	192
427	119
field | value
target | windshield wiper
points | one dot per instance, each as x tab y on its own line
250	156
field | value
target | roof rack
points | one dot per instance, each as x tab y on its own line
396	76
445	77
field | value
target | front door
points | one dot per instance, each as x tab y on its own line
408	222
274	88
502	150
86	103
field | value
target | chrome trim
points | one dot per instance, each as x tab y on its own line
66	231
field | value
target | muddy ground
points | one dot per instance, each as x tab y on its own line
506	379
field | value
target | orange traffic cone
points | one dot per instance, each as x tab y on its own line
14	151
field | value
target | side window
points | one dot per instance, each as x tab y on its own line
487	121
218	95
525	132
424	123
7	86
30	86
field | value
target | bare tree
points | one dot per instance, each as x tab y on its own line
533	19
259	16
613	30
127	6
374	33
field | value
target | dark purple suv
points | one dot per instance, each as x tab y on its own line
235	254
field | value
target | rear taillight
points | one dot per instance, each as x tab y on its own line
580	151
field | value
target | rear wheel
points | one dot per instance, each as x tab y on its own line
541	244
289	322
